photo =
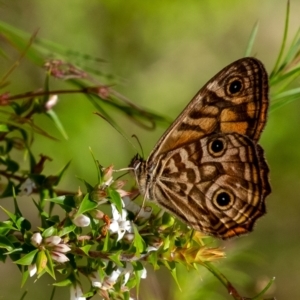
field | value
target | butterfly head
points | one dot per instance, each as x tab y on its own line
138	164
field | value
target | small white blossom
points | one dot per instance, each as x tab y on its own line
81	221
110	280
52	240
63	248
143	213
27	187
52	243
32	269
76	292
59	257
144	273
127	273
119	223
95	279
151	248
51	102
36	239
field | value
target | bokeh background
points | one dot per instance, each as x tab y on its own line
161	53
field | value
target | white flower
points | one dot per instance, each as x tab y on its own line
36	239
58	256
32	269
144	273
63	248
51	102
151	248
127	273
143	213
76	292
95	279
119	223
110	280
52	240
52	243
27	187
81	221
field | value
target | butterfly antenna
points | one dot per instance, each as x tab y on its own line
110	122
138	141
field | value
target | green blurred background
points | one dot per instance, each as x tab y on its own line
161	53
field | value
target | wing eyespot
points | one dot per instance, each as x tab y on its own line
217	146
223	199
234	86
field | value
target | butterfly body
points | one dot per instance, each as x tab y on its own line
207	168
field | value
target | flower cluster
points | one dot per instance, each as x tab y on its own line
115	235
54	245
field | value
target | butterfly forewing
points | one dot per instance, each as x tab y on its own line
234	100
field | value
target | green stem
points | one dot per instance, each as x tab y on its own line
230	288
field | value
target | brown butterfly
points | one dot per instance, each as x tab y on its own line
207	168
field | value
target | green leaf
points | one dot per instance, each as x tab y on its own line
67	202
11	165
41	261
6	243
25	276
99	171
4	128
25	225
288	93
12	216
27	259
6	226
138	242
16	251
86	249
115	198
251	40
65	282
276	67
49	266
60	174
68	227
8	190
258	296
107	243
171	266
88	186
57	123
17	209
86	205
115	257
153	259
138	268
49	232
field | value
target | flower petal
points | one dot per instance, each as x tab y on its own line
81	221
76	292
36	239
52	240
95	279
59	257
32	269
63	248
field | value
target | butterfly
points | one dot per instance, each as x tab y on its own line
208	169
